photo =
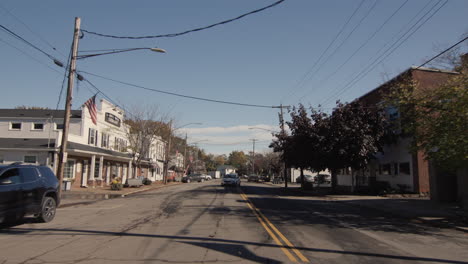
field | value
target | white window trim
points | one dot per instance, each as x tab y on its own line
10	127
55	127
73	169
33	129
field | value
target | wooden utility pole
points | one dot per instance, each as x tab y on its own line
68	103
285	172
253	155
168	151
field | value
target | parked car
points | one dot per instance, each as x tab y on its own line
207	177
307	178
27	190
323	178
253	178
231	179
193	178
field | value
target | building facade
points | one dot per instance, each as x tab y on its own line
96	152
397	166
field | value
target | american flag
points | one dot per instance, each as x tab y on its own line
91	104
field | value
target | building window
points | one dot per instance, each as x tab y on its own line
104	140
38	126
96	169
69	169
30	159
92	137
58	126
385	169
15	126
405	168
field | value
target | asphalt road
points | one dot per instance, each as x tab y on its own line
207	223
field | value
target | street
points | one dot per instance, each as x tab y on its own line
208	223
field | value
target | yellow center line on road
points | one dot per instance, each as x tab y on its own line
262	222
263	218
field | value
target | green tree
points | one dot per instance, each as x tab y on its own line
239	160
437	119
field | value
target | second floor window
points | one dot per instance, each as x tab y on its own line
104	140
15	126
92	137
38	126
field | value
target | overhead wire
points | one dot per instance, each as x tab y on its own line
180	95
395	45
31	57
300	83
30	30
321	82
436	56
187	31
343	41
64	78
29	43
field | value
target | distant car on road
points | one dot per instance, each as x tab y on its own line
27	190
307	178
193	178
253	178
231	179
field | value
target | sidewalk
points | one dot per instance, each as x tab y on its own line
77	196
415	209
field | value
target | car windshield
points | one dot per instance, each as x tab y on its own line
230	176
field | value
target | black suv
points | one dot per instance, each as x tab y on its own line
27	189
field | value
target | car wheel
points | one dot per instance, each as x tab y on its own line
48	209
188	180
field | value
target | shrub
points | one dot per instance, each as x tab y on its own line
147	181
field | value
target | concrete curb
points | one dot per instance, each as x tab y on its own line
121	196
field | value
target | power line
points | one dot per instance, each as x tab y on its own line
344	41
389	51
362	45
31	57
56	61
301	82
180	95
30	30
64	79
436	56
187	31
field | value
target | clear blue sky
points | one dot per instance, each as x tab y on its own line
267	58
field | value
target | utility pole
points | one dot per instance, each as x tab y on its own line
68	103
253	155
285	172
168	151
185	154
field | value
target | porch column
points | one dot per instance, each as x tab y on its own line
108	173
129	176
92	168
55	162
101	166
124	173
85	172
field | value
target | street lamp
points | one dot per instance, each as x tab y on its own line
261	128
114	51
68	101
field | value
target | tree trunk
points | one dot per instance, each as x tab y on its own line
302	178
334	179
352	181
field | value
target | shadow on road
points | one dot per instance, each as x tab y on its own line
222	245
